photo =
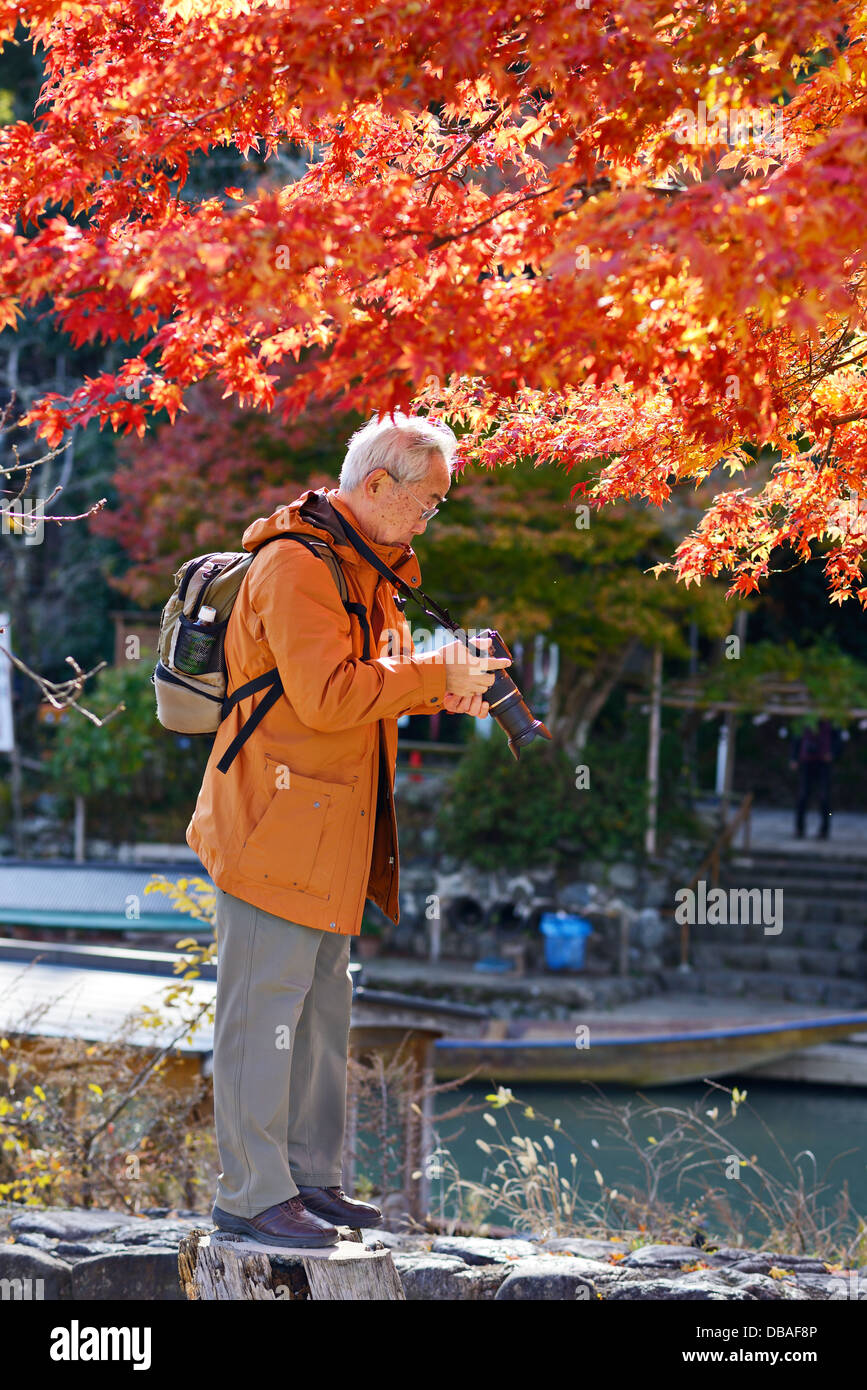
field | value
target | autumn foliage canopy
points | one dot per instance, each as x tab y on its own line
629	233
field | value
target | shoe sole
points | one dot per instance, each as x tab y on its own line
239	1226
352	1225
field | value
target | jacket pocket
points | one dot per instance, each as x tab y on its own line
299	841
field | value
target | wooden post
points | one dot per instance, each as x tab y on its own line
728	766
382	1041
740	626
15	791
350	1141
412	1155
623	962
418	1124
435	935
79	829
653	753
220	1265
427	1118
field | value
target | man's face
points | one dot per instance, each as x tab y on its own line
393	511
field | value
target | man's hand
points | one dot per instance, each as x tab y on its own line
467	674
465	704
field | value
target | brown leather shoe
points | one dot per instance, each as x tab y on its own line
287	1223
332	1204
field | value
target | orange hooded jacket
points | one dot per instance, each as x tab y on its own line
303	823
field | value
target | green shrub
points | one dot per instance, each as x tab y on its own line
530	812
136	776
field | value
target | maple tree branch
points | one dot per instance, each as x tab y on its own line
17	498
439	241
191	125
459	154
63	694
8	509
849	419
822	366
850	361
6	470
827	453
22	521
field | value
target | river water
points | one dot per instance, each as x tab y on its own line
772	1128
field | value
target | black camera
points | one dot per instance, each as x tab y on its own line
504	699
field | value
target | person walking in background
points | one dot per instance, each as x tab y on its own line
813	753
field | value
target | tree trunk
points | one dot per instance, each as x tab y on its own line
223	1266
581	693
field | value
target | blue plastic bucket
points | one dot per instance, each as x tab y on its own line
565	939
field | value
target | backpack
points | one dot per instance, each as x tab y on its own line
198	704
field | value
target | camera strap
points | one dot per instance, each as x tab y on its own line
433	611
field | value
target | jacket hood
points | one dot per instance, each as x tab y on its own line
317	512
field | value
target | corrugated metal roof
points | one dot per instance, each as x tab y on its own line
111	894
61	1001
102	957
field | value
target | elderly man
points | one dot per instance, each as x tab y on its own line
301	828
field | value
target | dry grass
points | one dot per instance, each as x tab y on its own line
687	1163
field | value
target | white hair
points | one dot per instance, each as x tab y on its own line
405	447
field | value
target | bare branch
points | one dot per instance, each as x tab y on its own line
473	137
21	520
64	694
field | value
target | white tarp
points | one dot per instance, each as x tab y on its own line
60	1001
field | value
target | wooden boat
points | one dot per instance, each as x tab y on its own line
88	991
633	1053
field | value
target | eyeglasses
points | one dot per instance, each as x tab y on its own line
426	512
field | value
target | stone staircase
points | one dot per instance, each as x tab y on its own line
819	957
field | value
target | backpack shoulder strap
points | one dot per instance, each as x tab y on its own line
324	551
270	681
320	548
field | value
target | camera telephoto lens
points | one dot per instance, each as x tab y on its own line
506	704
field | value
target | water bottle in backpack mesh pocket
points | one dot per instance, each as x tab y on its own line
190	678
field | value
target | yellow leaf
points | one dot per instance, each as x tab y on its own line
141	284
184	9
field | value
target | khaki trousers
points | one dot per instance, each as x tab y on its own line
281	1039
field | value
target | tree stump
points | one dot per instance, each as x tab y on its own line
220	1265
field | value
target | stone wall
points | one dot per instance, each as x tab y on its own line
77	1255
